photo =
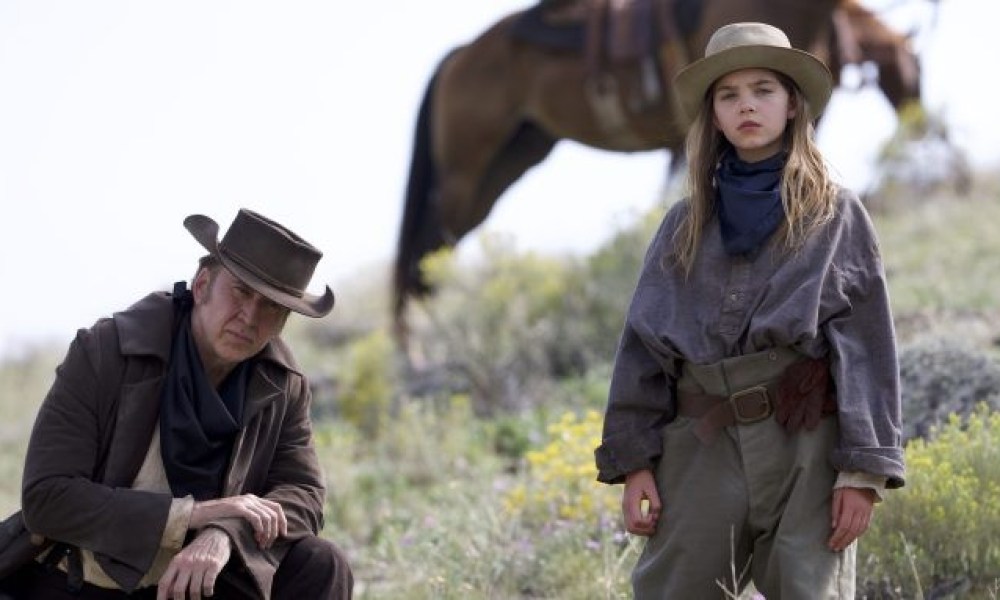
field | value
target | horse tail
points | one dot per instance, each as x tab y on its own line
415	235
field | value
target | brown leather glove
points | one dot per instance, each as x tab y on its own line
805	394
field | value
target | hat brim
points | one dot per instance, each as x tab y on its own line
807	71
206	232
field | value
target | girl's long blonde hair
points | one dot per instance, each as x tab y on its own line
807	191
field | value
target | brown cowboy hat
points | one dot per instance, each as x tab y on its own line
266	256
752	46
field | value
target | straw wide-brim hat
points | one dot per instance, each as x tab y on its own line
752	46
266	256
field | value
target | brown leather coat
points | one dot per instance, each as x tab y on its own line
105	400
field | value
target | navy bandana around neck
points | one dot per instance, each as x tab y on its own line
749	201
198	424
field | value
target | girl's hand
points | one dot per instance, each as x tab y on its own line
641	486
852	514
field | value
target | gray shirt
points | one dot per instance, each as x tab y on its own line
827	298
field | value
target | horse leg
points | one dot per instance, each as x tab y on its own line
528	146
482	143
460	206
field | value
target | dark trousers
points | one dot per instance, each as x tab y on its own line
314	568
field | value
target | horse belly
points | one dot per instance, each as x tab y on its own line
570	103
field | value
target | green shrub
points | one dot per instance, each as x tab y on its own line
943	527
506	326
918	159
512	325
942	377
561	478
366	384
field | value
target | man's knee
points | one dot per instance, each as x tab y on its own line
319	560
317	550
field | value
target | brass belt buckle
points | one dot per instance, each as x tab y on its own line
751	405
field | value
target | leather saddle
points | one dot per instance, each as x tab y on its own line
608	30
647	34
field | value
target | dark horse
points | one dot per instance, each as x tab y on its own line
496	106
858	36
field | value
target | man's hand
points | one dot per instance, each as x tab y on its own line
852	514
265	516
193	571
640	486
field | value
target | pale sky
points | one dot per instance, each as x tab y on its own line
118	118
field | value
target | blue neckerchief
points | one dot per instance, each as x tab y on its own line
749	201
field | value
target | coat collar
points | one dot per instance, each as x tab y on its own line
145	330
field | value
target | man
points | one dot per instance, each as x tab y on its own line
173	456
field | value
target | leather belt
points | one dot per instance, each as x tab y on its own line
806	381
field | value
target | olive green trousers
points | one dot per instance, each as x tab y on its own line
755	504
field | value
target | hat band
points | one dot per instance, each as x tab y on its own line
267	279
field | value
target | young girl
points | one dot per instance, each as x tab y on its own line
754	409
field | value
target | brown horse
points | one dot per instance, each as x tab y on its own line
496	106
858	36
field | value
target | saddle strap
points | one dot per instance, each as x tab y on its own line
593	40
673	55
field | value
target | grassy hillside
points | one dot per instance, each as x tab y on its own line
473	477
942	255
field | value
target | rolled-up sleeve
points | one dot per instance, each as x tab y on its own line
640	401
640	398
865	369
